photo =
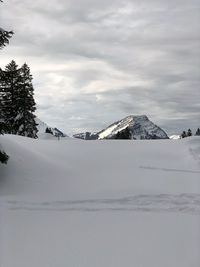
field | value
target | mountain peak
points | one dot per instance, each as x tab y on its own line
139	127
137	117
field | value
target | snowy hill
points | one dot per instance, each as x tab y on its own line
42	126
94	204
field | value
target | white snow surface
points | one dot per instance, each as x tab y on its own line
175	136
108	131
100	203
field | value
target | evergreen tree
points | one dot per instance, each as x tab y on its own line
154	136
10	82
189	132
17	100
25	122
117	135
48	130
2	124
183	135
4	36
3	157
124	134
4	39
197	132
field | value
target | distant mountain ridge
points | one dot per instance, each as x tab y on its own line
86	136
140	127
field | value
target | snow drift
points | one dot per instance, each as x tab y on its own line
94	204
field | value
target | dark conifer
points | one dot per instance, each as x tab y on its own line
10	82
197	132
183	135
17	100
124	134
25	122
127	133
117	135
189	132
4	36
4	40
3	157
48	130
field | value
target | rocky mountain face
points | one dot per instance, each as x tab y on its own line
138	127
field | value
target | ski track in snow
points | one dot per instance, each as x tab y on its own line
182	203
168	169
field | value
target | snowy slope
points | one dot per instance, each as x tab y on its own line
175	137
140	127
93	204
41	126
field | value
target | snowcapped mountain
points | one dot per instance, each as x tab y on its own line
139	127
42	126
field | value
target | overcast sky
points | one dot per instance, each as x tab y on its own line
97	61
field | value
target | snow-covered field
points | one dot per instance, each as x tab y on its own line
75	203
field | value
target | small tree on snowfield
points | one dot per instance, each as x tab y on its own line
189	132
197	132
48	130
183	135
3	157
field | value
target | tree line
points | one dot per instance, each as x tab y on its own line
189	133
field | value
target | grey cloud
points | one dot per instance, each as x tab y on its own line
86	56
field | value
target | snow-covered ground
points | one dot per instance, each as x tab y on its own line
100	203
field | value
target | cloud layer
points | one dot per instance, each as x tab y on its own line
94	61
